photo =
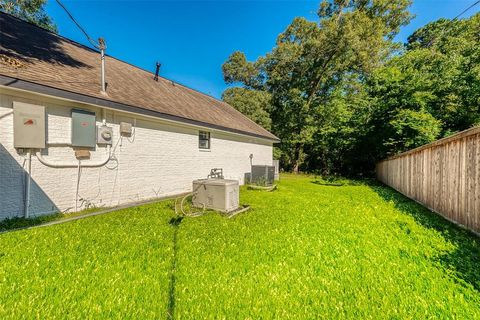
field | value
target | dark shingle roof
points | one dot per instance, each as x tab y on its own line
38	56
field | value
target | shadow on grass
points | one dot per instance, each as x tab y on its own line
465	259
19	223
334	181
175	223
16	223
321	183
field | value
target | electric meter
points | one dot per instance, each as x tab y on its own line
104	135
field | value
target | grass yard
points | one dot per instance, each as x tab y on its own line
308	250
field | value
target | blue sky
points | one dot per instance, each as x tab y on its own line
192	39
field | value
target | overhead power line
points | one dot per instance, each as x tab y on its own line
93	42
464	11
446	27
100	45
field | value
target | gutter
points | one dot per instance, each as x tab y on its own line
25	85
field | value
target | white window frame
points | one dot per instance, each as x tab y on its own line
208	140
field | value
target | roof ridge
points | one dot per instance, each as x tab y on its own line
191	94
113	57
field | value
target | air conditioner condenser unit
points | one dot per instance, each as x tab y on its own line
262	175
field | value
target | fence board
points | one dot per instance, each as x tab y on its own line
443	175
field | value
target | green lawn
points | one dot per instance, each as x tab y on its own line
307	250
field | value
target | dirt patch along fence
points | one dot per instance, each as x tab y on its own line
443	175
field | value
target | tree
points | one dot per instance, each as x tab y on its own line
449	56
252	103
429	91
412	129
30	10
309	67
343	95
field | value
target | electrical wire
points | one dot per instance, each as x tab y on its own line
132	138
113	156
445	28
93	42
464	11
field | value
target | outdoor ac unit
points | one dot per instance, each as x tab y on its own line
217	194
263	175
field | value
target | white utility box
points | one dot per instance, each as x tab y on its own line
28	125
217	194
125	129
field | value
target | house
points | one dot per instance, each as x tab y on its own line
139	139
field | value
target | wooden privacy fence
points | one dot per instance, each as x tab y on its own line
443	175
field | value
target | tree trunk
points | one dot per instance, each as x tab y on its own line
297	160
295	167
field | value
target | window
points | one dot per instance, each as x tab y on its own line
203	140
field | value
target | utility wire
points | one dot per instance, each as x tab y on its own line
446	27
460	14
93	42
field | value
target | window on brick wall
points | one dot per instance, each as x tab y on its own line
203	140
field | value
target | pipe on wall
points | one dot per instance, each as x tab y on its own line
59	144
75	164
92	164
104	117
78	185
28	184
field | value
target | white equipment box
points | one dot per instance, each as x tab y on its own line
125	129
217	194
28	125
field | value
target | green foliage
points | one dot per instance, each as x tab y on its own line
391	13
17	223
253	103
312	251
30	10
338	181
343	95
315	64
238	69
348	249
277	153
451	63
429	91
115	265
412	129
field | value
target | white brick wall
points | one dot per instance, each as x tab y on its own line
160	159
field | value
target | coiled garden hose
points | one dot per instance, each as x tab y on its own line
182	203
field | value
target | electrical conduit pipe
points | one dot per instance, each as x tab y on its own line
92	164
28	184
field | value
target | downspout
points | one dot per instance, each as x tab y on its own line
104	117
78	185
28	184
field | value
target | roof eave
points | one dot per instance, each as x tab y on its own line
21	84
